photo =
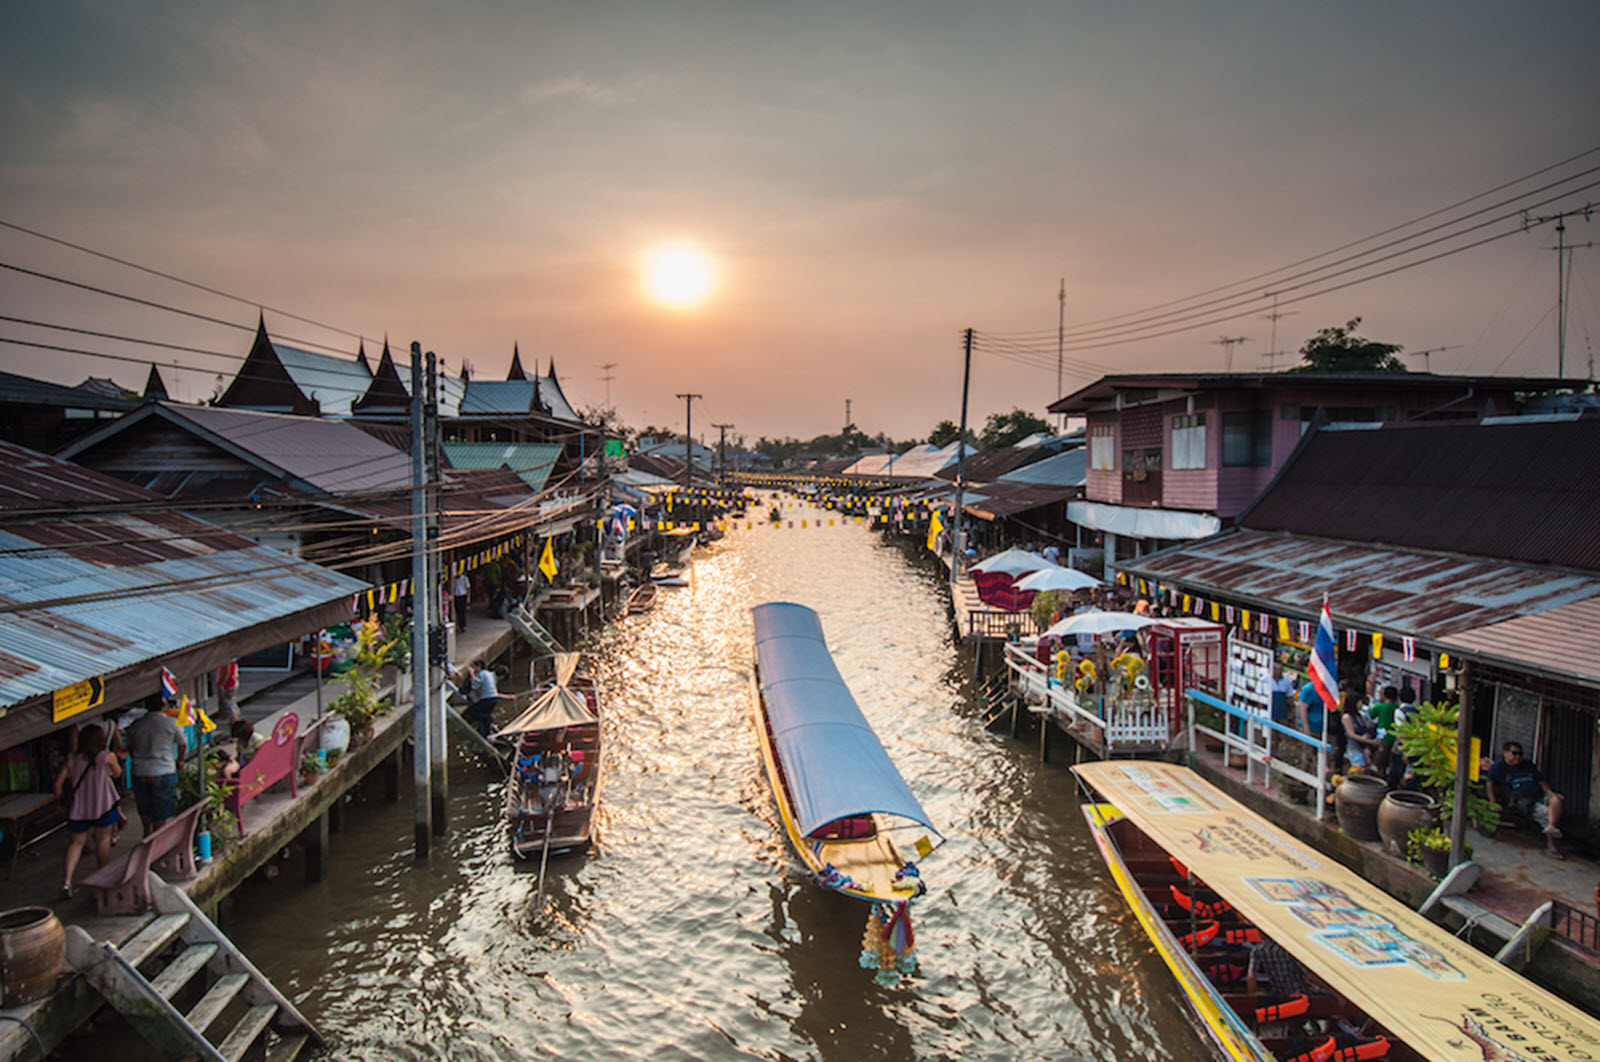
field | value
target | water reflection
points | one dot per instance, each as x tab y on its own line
690	931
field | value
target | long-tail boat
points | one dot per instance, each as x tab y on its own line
553	777
1215	885
849	815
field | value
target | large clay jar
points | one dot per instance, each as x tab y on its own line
32	949
1399	814
1356	802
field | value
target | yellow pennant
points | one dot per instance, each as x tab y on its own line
547	560
1377	645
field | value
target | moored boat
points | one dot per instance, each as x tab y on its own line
553	778
848	813
1213	884
643	599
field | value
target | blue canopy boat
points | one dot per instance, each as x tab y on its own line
848	813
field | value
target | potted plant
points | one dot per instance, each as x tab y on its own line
217	823
1430	846
310	767
359	704
1428	738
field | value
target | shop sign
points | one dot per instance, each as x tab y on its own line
78	698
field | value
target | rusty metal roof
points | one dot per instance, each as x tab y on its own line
1001	499
1563	640
32	481
1429	596
1525	490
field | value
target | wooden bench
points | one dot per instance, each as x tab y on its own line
122	886
276	759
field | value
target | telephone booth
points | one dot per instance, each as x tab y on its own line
1186	653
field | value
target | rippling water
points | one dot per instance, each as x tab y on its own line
690	932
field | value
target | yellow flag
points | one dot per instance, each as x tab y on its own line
935	528
184	718
547	560
1377	646
206	725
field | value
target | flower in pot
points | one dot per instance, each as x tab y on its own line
359	705
310	767
1430	846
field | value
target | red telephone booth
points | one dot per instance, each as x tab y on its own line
1185	653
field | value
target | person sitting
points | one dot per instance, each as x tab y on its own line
1515	782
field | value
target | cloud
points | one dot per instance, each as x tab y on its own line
573	87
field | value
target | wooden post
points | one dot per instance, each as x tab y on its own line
316	837
1458	814
1044	739
393	767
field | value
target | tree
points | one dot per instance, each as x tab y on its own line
1007	429
1339	349
944	433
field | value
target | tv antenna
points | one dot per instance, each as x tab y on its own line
607	375
1423	354
1273	353
1563	250
1228	343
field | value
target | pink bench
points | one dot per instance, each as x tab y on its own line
122	886
277	758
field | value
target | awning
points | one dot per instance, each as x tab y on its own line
835	766
1000	499
1126	520
557	706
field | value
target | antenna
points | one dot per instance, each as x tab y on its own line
1228	343
1562	250
847	420
1273	353
1423	354
608	376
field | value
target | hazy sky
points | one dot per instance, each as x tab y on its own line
870	178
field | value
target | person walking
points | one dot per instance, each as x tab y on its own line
155	749
91	800
460	593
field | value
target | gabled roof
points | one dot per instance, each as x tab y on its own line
498	398
1106	388
990	465
314	454
390	389
515	372
1069	469
25	390
554	398
154	386
1525	490
283	379
530	462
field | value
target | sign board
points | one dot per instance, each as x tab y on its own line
78	698
1249	676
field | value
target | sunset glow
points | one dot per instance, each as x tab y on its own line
678	275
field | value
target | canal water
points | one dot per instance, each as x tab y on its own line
690	931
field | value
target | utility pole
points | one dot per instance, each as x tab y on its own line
722	451
688	437
956	538
608	376
1228	343
847	414
420	776
1061	340
1273	353
1562	250
438	752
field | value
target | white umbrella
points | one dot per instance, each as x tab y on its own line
1012	562
1099	623
1056	577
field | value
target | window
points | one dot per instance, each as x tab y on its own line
1247	439
1102	452
1189	440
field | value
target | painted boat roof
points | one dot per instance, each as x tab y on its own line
1429	988
835	765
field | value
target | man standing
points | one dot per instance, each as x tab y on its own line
460	591
1516	782
155	749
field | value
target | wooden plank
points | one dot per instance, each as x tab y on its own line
152	938
287	1048
216	1001
245	1033
182	970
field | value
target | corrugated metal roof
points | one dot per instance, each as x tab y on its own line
27	390
1564	640
990	465
870	465
1004	499
330	455
32	480
335	382
531	462
1424	595
1068	469
551	394
496	398
1526	492
1105	389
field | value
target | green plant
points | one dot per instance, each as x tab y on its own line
397	636
359	703
1428	738
331	756
309	764
222	823
1429	838
1044	606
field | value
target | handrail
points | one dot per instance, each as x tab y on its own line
1207	699
1255	751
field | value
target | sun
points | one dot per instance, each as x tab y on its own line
679	275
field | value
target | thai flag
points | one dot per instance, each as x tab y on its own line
169	685
1324	662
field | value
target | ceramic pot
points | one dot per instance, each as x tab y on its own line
1436	861
1399	814
1356	803
32	948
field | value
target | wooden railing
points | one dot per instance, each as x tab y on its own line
1579	927
1001	624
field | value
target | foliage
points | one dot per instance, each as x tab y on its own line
1428	738
1045	604
944	433
397	635
310	764
1339	349
847	443
1426	838
359	703
218	819
1007	429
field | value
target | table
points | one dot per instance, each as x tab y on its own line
17	812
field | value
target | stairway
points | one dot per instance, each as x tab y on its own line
532	631
181	951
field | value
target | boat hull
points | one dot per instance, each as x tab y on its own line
556	814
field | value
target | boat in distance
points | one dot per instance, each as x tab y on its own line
848	813
1220	891
643	598
553	776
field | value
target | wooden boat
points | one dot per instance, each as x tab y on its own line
1210	881
849	815
643	599
670	576
553	777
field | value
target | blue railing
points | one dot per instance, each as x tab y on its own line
1255	742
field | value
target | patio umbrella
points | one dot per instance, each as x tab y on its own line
1011	562
1056	577
1099	623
